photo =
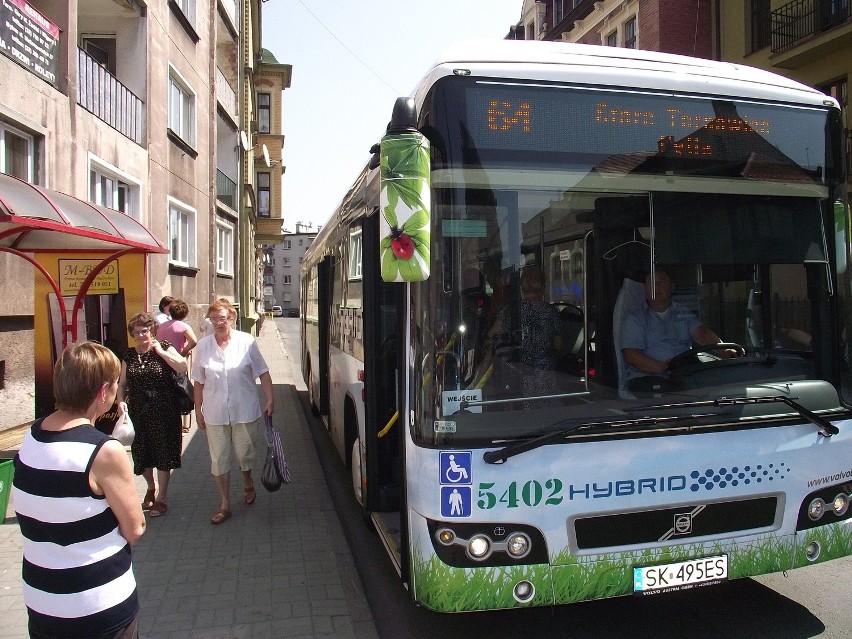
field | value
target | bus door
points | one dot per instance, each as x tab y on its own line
384	442
324	288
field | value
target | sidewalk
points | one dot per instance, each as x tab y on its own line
278	568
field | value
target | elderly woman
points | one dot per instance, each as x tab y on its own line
146	384
76	504
226	365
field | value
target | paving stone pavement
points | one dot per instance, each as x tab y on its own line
278	568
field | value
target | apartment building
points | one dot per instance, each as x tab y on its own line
143	107
268	81
671	26
283	265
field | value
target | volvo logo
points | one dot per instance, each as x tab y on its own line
682	524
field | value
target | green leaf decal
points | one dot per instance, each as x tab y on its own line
390	266
417	221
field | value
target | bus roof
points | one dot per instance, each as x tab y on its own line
616	66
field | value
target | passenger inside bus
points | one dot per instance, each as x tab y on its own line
533	332
656	332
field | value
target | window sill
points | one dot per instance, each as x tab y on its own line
185	271
183	144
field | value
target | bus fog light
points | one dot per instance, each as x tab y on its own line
518	545
479	547
816	509
446	536
523	591
812	551
841	504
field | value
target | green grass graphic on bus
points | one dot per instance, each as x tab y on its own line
404	202
573	579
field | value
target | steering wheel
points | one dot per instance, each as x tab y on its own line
686	356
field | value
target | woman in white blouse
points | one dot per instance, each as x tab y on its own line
225	367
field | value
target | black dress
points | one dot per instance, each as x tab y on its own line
153	409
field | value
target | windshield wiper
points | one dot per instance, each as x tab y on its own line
826	428
499	456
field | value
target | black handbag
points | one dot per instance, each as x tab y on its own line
181	387
183	392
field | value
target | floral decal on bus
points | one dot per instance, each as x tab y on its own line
404	202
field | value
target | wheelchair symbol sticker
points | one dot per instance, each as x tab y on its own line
455	468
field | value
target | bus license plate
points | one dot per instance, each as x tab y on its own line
682	575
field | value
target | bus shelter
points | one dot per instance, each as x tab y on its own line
90	268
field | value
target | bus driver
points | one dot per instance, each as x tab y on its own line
660	330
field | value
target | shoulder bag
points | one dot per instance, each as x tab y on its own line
181	386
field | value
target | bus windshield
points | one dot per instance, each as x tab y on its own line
552	268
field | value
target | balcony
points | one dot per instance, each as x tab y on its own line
100	93
226	96
802	19
226	190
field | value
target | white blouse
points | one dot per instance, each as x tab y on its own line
229	374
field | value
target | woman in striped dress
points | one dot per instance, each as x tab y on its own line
76	503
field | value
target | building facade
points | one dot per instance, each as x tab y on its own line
282	273
672	26
149	108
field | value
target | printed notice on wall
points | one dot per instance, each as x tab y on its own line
72	274
30	39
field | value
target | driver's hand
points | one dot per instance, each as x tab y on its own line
728	353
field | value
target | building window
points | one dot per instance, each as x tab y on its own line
181	108
114	191
285	261
288	244
557	12
101	49
181	234
263	194
612	39
760	24
188	9
264	113
288	279
17	152
355	257
630	34
224	248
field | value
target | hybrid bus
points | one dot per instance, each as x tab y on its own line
462	315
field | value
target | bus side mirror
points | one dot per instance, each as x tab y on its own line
404	199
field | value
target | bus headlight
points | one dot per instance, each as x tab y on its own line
518	545
841	504
479	547
816	509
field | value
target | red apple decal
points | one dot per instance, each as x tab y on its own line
401	245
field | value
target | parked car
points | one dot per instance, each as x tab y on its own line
277	311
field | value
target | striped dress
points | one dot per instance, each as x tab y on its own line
77	574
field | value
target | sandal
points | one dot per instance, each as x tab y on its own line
249	495
219	517
148	501
158	509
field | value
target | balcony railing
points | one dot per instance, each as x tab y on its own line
802	19
100	93
226	190
226	96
